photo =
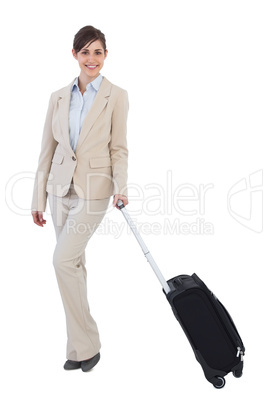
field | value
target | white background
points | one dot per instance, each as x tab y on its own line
196	74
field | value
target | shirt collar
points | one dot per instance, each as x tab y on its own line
94	84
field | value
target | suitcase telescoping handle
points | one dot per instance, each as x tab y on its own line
144	248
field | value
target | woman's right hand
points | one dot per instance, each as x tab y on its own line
38	218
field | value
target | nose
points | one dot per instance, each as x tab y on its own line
90	57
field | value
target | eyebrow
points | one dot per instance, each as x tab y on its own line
96	50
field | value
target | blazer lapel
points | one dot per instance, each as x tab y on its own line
95	110
63	110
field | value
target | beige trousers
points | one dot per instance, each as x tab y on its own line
75	220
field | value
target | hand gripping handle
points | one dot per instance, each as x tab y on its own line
144	248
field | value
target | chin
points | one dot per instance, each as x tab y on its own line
92	74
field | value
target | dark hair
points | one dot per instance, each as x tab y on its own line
88	35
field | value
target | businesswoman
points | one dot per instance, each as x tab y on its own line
83	161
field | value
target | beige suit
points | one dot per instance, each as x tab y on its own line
99	165
79	186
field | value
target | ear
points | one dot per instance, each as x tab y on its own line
74	54
106	53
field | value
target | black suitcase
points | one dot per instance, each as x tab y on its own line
208	326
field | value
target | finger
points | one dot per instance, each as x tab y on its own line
42	221
35	217
116	198
38	218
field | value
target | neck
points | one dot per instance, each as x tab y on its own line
83	81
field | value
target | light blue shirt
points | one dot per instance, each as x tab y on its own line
80	106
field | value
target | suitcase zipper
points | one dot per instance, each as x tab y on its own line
231	325
233	333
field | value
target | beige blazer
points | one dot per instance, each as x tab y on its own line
98	167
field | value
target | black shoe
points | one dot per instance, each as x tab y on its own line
72	365
87	365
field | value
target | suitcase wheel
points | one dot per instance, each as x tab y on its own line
237	373
219	382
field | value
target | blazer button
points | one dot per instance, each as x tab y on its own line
73	158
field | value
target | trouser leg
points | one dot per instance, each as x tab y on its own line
76	228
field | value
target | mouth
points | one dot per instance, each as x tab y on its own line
91	66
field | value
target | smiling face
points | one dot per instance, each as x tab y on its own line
91	60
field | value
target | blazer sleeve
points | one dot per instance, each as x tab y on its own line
48	147
118	144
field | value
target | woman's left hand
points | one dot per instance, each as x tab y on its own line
121	197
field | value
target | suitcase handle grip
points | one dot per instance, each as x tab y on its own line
144	248
120	204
